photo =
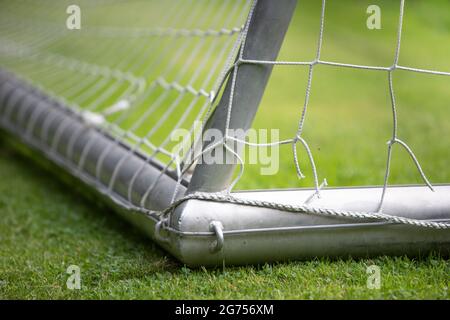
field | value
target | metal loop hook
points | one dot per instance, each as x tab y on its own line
158	227
217	228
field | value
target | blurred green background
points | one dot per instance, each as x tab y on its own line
45	226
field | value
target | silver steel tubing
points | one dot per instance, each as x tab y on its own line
256	235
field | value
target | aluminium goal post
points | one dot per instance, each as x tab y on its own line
102	102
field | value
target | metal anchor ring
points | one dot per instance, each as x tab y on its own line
158	227
217	228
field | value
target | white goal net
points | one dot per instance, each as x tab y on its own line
154	104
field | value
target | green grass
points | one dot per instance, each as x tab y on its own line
45	226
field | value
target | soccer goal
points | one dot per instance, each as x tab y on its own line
152	106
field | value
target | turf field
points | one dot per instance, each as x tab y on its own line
45	226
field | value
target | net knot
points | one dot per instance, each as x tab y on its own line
392	68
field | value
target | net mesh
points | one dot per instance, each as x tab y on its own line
389	70
139	70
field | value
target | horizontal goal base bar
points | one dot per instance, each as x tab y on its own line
256	235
